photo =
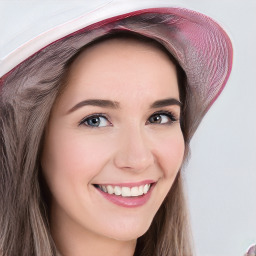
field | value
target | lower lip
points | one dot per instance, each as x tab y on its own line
128	201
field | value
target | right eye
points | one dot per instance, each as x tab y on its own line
95	121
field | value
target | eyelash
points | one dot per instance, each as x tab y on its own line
86	119
169	114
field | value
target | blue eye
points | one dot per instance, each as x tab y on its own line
95	121
162	118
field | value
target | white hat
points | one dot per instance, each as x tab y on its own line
200	45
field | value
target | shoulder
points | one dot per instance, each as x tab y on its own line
251	251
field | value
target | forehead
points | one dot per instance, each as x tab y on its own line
125	42
117	68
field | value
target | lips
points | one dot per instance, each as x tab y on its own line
127	195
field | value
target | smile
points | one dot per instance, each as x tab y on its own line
127	195
125	191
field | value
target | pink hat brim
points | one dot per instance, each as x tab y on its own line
200	45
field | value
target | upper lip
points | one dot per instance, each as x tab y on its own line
128	184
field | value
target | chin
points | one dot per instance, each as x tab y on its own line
128	232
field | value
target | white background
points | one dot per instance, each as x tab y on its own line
221	175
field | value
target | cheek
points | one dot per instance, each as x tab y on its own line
171	153
72	158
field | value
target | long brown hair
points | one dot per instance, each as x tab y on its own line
27	97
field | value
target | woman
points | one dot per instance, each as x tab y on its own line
251	251
96	121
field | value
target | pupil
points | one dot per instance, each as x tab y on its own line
156	119
94	121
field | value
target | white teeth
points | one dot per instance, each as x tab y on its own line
117	191
141	190
104	188
146	188
125	191
110	189
134	191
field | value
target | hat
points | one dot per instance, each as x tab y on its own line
200	45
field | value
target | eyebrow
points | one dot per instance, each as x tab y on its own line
95	102
115	105
166	102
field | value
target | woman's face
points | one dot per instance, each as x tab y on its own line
113	135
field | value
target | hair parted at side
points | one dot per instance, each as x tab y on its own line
27	97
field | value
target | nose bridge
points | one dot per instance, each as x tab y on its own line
134	152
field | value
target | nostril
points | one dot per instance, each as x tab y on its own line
134	151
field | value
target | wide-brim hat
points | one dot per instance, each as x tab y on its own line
200	45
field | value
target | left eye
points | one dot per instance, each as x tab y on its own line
163	118
96	121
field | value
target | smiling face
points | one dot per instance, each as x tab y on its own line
110	161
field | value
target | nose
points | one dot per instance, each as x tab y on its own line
134	152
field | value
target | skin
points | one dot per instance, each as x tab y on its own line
127	147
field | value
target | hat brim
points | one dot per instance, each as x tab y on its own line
200	45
